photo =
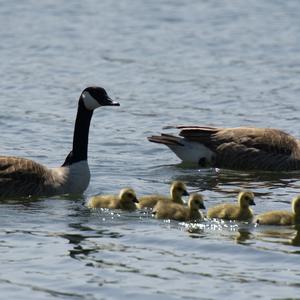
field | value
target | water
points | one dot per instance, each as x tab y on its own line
217	63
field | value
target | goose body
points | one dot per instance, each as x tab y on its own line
125	200
281	217
25	177
240	148
230	211
177	190
175	211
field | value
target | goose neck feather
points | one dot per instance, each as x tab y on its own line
71	179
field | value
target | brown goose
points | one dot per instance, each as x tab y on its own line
125	200
281	217
240	148
24	177
175	211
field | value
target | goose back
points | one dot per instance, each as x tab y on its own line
20	176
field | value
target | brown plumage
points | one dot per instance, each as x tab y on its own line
125	200
177	190
244	148
175	211
281	217
17	174
229	211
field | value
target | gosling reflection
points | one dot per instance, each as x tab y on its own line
243	235
286	237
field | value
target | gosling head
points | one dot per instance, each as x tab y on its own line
178	189
128	195
246	199
94	97
196	201
296	205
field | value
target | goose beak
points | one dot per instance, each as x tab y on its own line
135	200
202	206
110	102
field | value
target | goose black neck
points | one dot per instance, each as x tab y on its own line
81	135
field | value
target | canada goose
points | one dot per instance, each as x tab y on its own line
24	177
229	211
240	148
281	217
175	211
125	200
177	190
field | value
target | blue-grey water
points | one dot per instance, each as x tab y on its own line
223	63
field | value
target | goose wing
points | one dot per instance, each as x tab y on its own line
20	177
246	147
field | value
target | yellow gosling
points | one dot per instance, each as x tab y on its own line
239	212
125	200
178	212
177	190
281	217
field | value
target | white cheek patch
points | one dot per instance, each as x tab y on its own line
90	103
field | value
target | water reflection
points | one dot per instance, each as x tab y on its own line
243	236
284	236
217	180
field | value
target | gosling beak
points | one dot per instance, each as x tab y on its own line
202	206
110	102
185	193
135	200
251	202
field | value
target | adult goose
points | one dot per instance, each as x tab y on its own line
24	177
240	148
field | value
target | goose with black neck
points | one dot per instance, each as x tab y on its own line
24	177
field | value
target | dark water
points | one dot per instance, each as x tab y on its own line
221	63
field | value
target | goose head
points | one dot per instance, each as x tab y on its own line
296	206
178	189
128	196
246	199
94	97
196	202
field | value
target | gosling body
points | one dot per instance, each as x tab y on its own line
178	212
125	200
177	190
281	217
238	212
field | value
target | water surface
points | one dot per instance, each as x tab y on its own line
167	62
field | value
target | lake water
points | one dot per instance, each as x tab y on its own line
222	63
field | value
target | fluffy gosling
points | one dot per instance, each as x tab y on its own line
281	217
125	200
178	212
239	212
177	190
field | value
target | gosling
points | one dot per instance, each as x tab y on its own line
125	200
177	190
281	217
178	212
238	212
